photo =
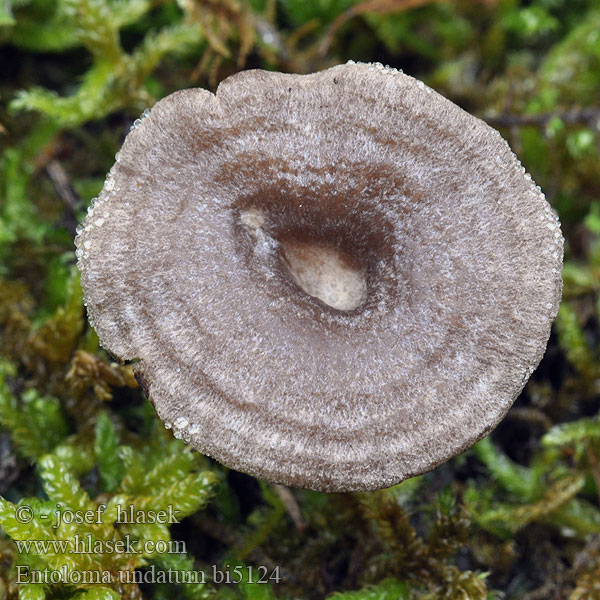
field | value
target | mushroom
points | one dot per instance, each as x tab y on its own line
334	281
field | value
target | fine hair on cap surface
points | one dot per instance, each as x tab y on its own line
334	281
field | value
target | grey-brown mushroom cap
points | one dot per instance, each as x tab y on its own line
188	255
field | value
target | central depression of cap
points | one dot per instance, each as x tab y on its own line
333	281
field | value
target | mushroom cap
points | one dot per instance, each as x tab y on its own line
333	281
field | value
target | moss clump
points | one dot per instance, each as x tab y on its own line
519	514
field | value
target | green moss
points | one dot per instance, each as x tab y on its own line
516	513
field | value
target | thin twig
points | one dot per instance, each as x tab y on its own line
370	6
594	466
62	184
291	506
531	415
589	116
